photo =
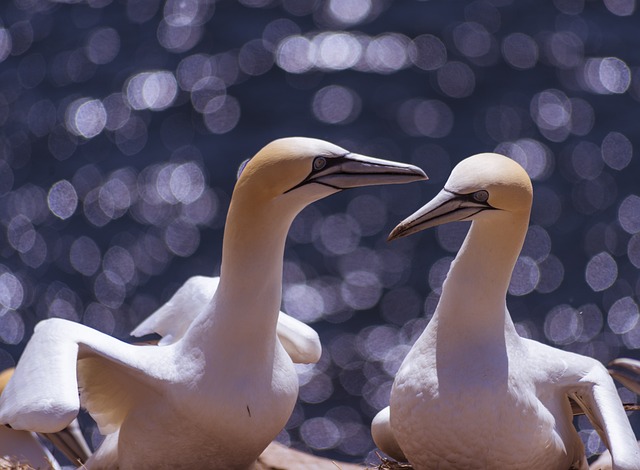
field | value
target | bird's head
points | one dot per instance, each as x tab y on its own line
308	169
478	187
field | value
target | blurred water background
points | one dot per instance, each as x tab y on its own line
123	123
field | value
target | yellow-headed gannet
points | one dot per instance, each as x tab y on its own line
216	397
471	393
172	320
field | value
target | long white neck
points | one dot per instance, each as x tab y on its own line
472	313
242	316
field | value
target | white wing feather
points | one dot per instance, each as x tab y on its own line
172	320
42	395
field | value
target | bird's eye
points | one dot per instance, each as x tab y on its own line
319	163
481	196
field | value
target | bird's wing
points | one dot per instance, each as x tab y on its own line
597	395
299	340
43	394
172	320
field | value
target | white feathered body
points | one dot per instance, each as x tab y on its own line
221	421
473	394
475	414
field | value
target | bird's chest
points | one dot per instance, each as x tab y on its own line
471	417
260	396
222	419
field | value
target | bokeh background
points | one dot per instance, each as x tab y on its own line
123	123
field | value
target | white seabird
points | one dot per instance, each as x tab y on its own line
216	397
471	392
172	320
627	372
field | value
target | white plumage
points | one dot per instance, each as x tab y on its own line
218	394
471	392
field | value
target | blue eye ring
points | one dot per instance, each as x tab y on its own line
481	196
319	163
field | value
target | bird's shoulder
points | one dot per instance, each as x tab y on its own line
564	368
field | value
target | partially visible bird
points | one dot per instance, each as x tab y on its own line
25	446
217	396
471	393
627	372
172	320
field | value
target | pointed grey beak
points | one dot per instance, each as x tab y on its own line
353	170
359	170
627	372
445	207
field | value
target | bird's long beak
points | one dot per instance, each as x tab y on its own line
353	170
627	372
445	207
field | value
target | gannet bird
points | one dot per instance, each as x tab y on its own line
471	393
217	396
627	372
172	320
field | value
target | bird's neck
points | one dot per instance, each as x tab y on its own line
472	307
244	309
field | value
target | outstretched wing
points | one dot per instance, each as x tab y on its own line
42	395
172	320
